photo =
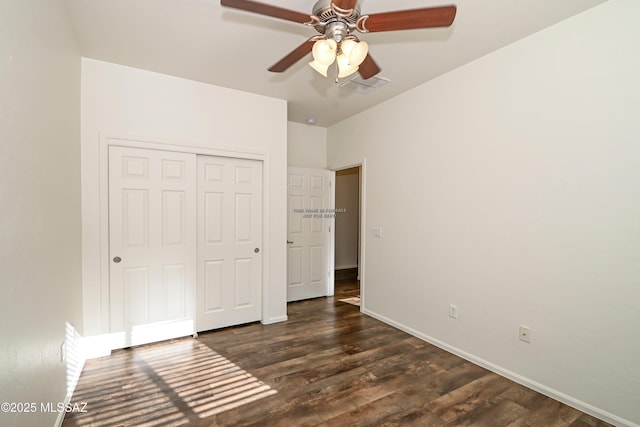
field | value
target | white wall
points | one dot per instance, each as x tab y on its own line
307	146
347	221
142	104
40	253
511	188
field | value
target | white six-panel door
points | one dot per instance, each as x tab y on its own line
310	218
152	233
229	242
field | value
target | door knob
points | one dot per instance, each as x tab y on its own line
256	250
289	242
117	259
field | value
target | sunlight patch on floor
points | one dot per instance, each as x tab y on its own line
171	384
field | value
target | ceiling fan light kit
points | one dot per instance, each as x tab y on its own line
336	21
348	54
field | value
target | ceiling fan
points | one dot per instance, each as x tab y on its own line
336	21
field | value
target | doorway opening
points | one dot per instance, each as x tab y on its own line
348	206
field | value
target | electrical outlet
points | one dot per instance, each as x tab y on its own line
453	311
525	334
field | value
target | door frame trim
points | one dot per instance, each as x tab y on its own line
108	139
363	222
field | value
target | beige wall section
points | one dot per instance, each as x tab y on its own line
510	187
307	146
40	253
347	218
149	105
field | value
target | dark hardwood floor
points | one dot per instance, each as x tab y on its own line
328	365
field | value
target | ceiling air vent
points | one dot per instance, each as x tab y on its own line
364	86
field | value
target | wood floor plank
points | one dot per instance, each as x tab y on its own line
328	365
371	413
551	413
501	414
588	421
468	398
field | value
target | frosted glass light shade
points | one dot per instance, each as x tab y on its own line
358	53
345	68
321	68
347	47
324	51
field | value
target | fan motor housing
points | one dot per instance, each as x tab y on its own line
328	15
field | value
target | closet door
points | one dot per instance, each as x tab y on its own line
229	242
152	243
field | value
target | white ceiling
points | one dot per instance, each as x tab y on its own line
200	40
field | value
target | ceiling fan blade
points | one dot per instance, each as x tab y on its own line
267	9
294	56
368	68
429	17
345	4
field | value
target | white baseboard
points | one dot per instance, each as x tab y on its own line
527	382
101	345
277	319
67	401
74	360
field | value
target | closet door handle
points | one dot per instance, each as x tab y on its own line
289	242
117	259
